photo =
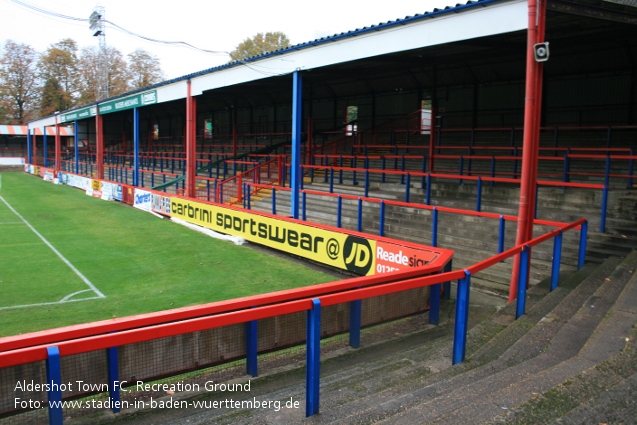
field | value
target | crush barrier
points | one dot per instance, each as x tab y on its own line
357	176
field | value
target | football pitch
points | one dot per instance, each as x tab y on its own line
68	258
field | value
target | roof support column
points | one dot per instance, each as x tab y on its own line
191	143
45	148
99	142
531	139
295	167
136	181
29	152
76	152
58	146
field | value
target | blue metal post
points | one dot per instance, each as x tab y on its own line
423	169
136	146
252	340
602	220
339	210
296	174
446	286
501	235
114	383
460	168
407	185
273	200
402	168
428	191
523	278
360	215
492	170
313	358
434	227
557	259
434	304
54	379
582	245
479	195
331	180
30	148
366	183
381	225
461	324
567	168
382	167
304	206
355	312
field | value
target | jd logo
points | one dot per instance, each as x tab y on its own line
358	255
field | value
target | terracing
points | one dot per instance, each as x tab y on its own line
569	359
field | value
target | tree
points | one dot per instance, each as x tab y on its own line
18	82
54	98
260	44
59	63
87	66
144	69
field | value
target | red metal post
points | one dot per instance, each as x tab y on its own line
58	146
99	142
190	144
530	139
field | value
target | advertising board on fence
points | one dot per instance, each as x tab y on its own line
363	256
143	200
11	161
161	204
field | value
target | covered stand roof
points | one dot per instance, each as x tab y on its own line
479	42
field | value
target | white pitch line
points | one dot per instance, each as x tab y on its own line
52	303
67	262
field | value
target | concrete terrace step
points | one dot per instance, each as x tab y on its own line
487	358
580	343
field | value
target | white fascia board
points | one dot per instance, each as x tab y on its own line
177	90
468	24
41	123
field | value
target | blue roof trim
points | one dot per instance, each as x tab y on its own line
353	33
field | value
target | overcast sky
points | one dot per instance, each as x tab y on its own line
211	25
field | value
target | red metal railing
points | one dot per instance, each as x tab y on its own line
231	190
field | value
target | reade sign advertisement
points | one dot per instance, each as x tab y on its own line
349	252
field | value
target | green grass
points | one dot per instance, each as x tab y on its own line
139	262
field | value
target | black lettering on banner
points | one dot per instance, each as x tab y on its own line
357	254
